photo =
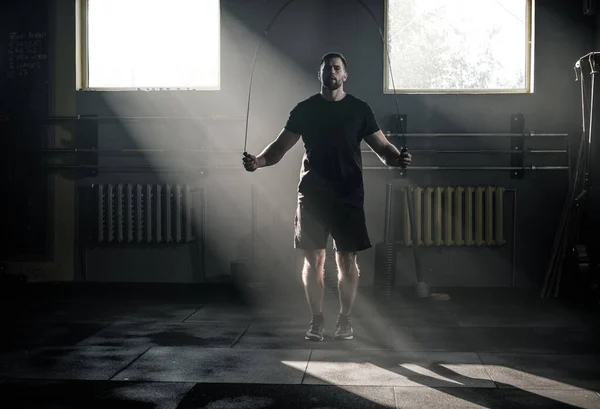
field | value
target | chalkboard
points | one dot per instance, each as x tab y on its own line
25	54
24	106
24	45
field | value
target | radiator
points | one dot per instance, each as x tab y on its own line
455	216
134	213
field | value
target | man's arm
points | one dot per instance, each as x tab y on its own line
387	152
277	149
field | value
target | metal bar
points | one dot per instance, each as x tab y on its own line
101	207
493	151
412	168
417	194
387	225
195	169
159	213
139	213
109	209
589	55
129	212
414	236
479	215
533	133
9	120
168	213
148	212
406	226
486	151
437	222
517	143
441	134
514	238
448	194
236	118
119	118
120	215
144	168
489	220
436	151
234	151
427	204
131	151
178	213
141	118
458	216
568	143
469	215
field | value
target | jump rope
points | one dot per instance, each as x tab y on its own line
422	288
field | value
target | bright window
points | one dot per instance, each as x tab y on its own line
153	44
466	46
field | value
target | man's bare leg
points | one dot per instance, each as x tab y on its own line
348	274
313	279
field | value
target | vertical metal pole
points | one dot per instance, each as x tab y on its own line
591	123
517	144
569	165
514	241
591	196
385	253
387	228
413	234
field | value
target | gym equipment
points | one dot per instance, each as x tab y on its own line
384	279
574	234
84	160
385	253
421	287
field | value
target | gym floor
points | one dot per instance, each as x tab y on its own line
123	346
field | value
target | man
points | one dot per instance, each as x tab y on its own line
332	125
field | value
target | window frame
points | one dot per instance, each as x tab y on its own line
82	57
529	63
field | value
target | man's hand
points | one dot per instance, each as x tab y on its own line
387	152
404	159
250	162
273	153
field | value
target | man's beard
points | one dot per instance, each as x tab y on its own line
332	84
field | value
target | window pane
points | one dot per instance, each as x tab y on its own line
457	45
153	44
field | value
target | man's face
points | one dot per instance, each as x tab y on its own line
332	73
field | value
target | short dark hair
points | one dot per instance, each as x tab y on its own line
329	56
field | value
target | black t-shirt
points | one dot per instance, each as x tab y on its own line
332	132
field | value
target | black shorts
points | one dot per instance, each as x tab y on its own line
316	220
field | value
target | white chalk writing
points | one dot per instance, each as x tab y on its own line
25	53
